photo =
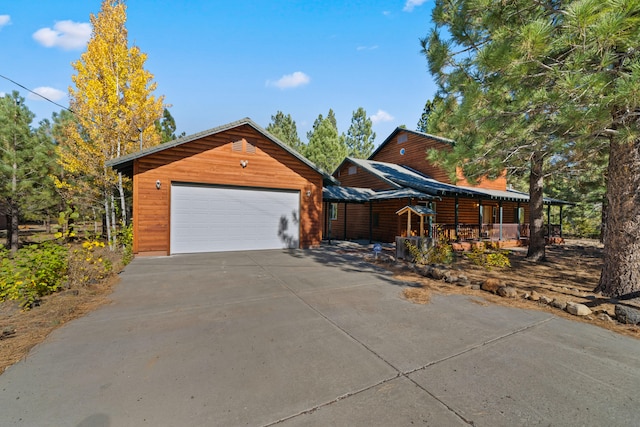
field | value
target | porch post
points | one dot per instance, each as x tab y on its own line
329	221
409	223
480	220
345	221
421	226
549	220
561	220
370	221
456	225
518	220
500	213
430	221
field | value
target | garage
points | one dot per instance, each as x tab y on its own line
230	188
215	219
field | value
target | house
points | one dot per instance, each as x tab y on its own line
234	187
369	202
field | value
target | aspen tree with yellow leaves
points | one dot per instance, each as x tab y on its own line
115	112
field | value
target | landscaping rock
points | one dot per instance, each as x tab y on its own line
627	315
578	309
545	299
605	317
558	304
534	296
507	292
449	277
491	285
437	273
475	287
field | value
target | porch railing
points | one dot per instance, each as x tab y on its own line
487	231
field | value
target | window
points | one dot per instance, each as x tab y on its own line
402	138
353	170
237	146
333	211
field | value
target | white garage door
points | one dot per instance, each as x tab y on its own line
216	219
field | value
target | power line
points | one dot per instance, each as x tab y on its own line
36	93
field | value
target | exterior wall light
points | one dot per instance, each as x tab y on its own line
158	184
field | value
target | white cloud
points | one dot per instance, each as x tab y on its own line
290	80
67	35
386	13
4	20
381	116
47	92
374	47
410	4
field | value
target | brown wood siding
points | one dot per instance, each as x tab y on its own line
361	178
211	160
415	154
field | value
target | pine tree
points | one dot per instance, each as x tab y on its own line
284	128
23	162
325	148
115	108
360	136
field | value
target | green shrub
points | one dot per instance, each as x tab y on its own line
440	253
125	238
33	271
489	259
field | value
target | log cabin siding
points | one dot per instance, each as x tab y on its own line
361	178
211	160
415	154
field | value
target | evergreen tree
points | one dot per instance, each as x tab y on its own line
359	138
548	80
325	148
166	127
23	162
284	128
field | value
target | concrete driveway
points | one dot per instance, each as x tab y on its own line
314	338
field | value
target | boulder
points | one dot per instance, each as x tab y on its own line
628	315
558	304
491	285
507	292
449	277
578	309
545	299
534	296
437	273
475	287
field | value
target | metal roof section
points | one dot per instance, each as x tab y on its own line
418	210
403	193
125	163
404	178
401	176
335	193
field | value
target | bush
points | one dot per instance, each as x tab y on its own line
440	253
125	239
32	272
89	263
488	260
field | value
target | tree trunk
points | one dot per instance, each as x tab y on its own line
537	243
107	215
13	226
621	270
123	202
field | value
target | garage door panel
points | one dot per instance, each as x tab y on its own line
214	219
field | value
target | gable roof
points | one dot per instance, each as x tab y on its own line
414	132
124	164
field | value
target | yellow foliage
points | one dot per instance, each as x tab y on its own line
112	99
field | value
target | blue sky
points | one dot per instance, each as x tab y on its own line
219	61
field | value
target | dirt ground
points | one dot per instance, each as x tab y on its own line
21	330
570	273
